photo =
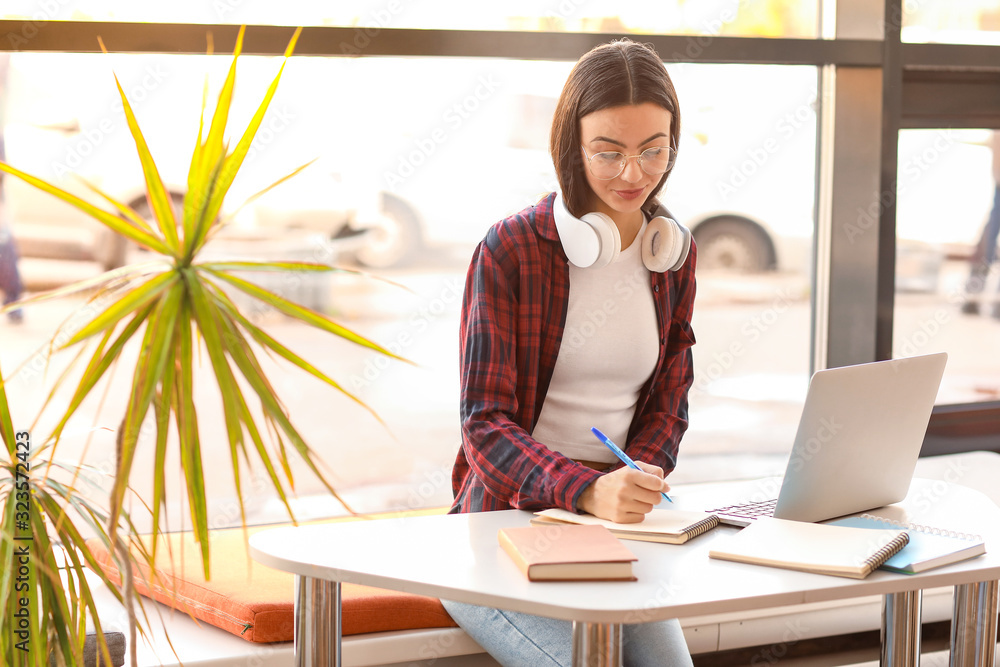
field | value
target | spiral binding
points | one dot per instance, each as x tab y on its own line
920	528
888	551
703	526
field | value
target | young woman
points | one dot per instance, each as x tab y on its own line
572	320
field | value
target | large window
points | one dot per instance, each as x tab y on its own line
745	182
473	151
946	291
417	156
967	22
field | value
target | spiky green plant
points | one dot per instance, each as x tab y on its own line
45	597
175	307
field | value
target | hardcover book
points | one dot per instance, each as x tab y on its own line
567	553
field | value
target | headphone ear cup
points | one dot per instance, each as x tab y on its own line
608	238
685	247
590	241
665	245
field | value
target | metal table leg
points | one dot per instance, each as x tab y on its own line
901	629
974	625
317	622
597	644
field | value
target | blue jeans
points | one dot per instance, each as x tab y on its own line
986	253
518	640
10	278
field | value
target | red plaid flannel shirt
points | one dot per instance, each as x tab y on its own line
513	314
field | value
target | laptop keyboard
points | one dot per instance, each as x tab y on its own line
748	510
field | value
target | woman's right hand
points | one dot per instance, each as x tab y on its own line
624	495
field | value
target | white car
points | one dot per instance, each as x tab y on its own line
65	123
416	152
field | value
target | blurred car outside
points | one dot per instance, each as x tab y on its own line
65	124
438	150
743	183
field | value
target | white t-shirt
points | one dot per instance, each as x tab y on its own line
609	349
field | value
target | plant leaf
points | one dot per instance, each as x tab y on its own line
109	219
131	302
6	423
298	312
250	368
210	159
209	323
127	211
161	408
289	265
266	341
267	267
148	372
254	197
190	444
196	196
159	199
230	393
100	283
98	365
233	161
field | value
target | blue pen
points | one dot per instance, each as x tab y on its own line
622	455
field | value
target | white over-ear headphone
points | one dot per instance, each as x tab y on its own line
594	241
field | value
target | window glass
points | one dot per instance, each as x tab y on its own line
414	159
745	182
763	18
946	281
966	22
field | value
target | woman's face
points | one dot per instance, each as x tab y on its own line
628	129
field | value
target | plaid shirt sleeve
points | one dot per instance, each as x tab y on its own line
500	464
662	416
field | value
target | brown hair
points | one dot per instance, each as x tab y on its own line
615	74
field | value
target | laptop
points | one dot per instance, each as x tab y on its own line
857	443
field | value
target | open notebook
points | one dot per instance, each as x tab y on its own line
668	526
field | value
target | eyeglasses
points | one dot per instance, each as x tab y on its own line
654	161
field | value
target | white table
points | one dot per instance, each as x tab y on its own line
457	557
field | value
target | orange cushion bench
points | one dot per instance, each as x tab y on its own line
256	602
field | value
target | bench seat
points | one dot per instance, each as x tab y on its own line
256	602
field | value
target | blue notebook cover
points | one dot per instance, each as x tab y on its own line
928	548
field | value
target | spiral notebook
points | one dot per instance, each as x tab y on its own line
928	547
667	526
843	551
